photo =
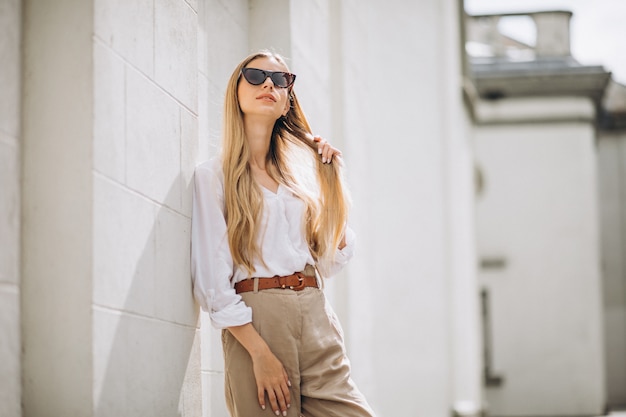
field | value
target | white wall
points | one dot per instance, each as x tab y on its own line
10	102
538	213
409	162
612	183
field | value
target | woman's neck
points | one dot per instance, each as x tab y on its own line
258	135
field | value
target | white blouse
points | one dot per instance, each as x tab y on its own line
281	240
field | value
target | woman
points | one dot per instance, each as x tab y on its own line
266	215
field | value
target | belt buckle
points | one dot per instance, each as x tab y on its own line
300	285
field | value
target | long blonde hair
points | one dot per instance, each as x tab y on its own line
319	185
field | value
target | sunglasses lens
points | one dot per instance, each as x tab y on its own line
282	79
254	76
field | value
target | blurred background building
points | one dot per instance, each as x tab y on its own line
488	178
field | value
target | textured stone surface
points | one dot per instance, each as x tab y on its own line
190	155
139	364
175	50
128	28
109	118
152	141
221	22
124	248
173	296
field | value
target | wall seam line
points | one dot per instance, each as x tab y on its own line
150	79
101	175
104	308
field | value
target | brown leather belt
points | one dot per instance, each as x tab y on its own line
296	282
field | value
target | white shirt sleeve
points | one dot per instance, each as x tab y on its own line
342	256
211	260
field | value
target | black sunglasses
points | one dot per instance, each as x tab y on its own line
257	76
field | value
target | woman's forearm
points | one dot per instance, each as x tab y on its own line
250	339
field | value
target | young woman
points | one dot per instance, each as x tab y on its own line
268	215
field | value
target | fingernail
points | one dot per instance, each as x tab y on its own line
288	405
323	160
284	413
289	382
263	406
277	412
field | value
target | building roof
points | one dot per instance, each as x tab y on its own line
500	66
496	77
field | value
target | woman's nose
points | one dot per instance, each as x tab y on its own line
268	81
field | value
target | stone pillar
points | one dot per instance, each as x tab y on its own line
10	143
110	143
57	209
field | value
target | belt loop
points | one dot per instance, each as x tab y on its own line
256	285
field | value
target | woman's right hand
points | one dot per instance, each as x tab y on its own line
269	372
272	378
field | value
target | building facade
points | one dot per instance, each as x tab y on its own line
492	185
549	225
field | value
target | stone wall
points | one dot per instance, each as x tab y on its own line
145	149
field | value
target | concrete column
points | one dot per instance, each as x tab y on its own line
10	143
110	143
57	193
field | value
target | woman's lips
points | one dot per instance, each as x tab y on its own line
266	97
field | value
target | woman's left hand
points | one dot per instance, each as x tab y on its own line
326	150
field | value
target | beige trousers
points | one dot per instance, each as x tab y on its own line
302	330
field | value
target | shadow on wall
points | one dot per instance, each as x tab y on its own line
147	346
